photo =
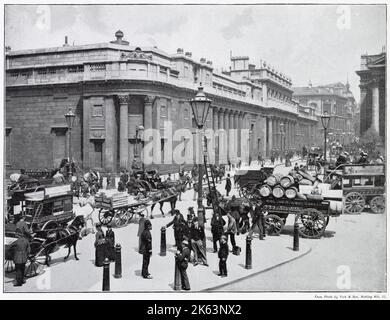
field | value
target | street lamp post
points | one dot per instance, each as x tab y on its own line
325	118
70	117
200	108
137	151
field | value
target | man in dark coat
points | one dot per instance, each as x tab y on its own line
146	249
197	235
141	227
256	221
110	240
234	208
21	250
228	185
182	258
100	246
179	225
217	224
23	227
223	255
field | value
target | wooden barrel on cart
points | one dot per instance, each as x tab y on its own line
265	190
291	192
278	192
274	179
287	181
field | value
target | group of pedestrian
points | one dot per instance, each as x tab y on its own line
104	245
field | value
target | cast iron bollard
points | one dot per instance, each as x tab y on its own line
163	244
106	275
296	237
262	222
177	280
248	257
118	261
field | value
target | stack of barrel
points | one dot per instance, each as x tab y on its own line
281	186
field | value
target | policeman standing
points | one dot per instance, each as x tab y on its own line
146	249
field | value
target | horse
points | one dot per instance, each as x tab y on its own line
169	194
63	236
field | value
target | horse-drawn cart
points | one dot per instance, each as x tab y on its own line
119	207
311	215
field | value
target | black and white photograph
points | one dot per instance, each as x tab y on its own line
185	148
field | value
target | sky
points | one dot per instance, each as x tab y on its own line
321	43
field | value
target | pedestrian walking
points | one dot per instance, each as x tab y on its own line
182	258
146	249
20	249
100	246
217	224
228	186
110	240
197	235
231	230
223	255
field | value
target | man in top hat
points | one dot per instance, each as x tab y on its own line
197	235
183	256
110	239
20	249
146	249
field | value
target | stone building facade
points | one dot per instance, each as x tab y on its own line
338	101
114	88
372	75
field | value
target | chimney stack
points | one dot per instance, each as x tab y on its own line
66	42
189	54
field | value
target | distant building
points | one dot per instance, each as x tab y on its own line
372	75
115	87
338	101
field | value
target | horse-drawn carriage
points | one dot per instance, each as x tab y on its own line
47	210
361	184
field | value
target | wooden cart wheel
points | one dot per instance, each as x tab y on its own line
378	204
141	210
311	222
354	203
50	225
9	266
105	216
121	218
36	260
273	224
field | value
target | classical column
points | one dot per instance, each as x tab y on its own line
375	107
269	135
123	130
231	140
111	142
148	112
215	119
